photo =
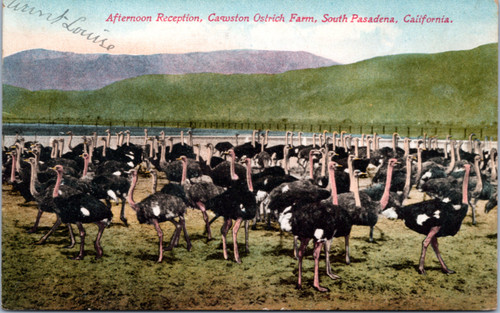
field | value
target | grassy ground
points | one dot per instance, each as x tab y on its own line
382	275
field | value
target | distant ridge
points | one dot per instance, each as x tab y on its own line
41	69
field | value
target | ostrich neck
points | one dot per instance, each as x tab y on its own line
465	186
285	158
406	189
356	149
130	195
458	153
353	184
18	159
446	149
55	193
314	140
91	151
85	166
333	185
128	139
151	150
479	185
53	151
324	157
249	176
419	163
13	168
61	149
231	167
104	147
69	142
184	171
253	139
357	199
394	143
311	165
33	180
453	161
385	197
108	139
368	149
163	152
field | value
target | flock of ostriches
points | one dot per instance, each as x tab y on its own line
316	197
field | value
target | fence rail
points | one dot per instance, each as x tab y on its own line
415	130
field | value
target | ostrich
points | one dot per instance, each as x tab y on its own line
367	213
81	208
236	203
199	192
157	208
320	221
434	218
45	203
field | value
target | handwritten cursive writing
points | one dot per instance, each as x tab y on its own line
72	27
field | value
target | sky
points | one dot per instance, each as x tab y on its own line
35	24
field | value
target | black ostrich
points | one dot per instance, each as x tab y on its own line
221	174
318	220
236	203
434	218
366	212
157	208
286	194
199	192
45	203
112	187
81	208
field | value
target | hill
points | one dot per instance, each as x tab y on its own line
452	88
41	69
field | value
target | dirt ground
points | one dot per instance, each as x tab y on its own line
382	275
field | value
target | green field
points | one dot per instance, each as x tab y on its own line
451	88
382	275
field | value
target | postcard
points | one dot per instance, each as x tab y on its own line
249	155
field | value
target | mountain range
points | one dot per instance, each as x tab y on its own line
41	69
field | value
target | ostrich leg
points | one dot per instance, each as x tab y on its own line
347	257
47	235
174	241
224	229
205	218
329	272
186	236
97	244
445	269
317	251
300	255
160	237
236	227
425	244
35	227
82	241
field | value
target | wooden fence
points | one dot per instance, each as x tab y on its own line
415	130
